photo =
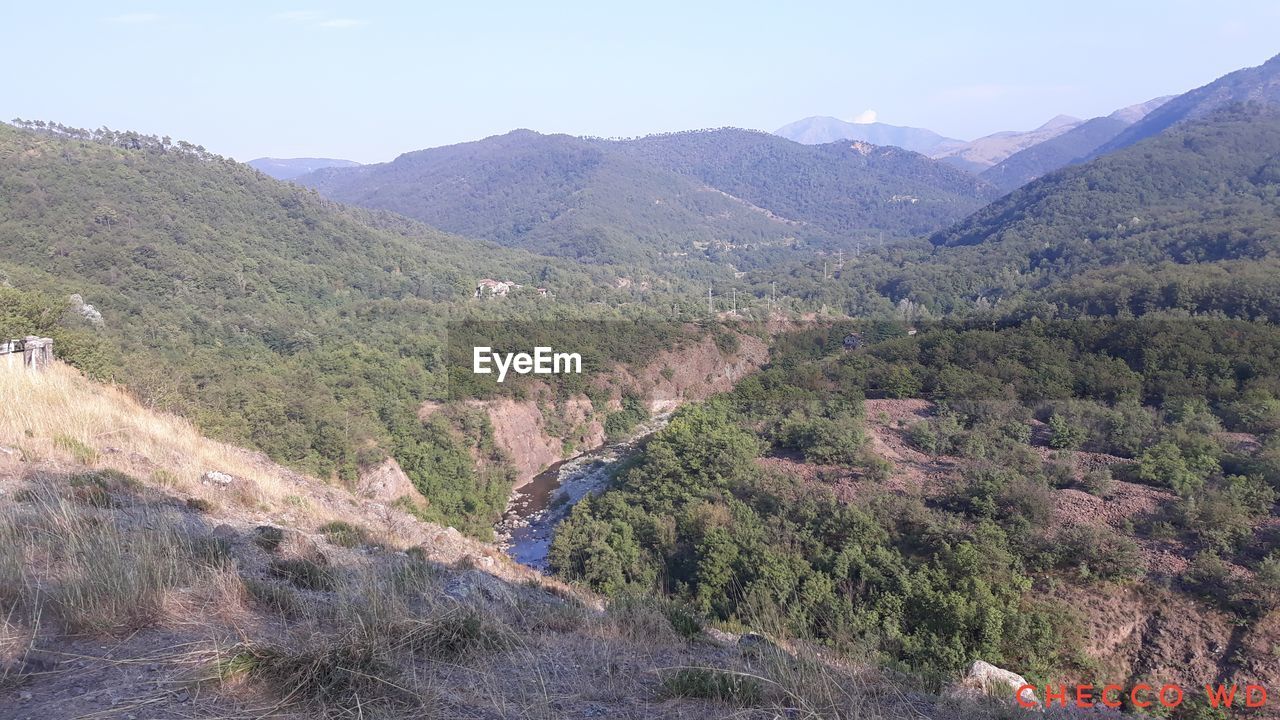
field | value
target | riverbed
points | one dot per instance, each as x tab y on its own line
537	507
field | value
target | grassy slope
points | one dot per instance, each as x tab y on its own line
277	596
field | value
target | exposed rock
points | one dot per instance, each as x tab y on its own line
476	585
985	679
719	637
86	311
268	537
224	532
213	477
386	483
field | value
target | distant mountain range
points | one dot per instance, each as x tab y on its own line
1061	150
289	168
738	195
998	158
819	130
1259	85
986	151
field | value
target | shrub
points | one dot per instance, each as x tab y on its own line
1098	481
99	488
1098	552
936	436
1223	516
1210	578
618	425
304	573
453	635
343	673
1164	464
79	451
344	534
273	596
1268	580
717	685
1065	435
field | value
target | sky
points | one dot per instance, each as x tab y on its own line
369	80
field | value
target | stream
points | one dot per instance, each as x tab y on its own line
538	506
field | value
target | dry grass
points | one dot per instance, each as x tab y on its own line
95	570
60	417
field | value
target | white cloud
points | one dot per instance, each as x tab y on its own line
316	19
866	117
342	23
299	16
134	18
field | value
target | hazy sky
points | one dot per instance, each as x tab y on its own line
369	80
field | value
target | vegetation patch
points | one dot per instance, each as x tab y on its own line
305	573
710	684
344	534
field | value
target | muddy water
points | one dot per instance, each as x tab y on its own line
537	507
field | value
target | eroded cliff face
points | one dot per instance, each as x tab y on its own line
538	432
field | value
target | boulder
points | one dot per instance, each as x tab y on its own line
985	679
214	477
475	585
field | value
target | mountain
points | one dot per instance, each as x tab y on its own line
697	194
268	315
1259	85
819	130
1134	113
1185	219
289	168
848	189
986	151
1059	151
558	195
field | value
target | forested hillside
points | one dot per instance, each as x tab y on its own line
1258	85
557	195
850	190
1185	221
961	493
272	317
723	196
1026	165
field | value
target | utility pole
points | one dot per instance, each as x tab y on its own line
735	301
710	308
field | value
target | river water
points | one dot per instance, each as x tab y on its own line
537	507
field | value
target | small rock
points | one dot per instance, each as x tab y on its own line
268	537
759	641
25	696
182	696
719	637
217	478
153	667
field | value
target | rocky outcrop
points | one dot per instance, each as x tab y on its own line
386	483
985	679
525	429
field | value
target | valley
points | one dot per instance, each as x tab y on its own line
848	420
